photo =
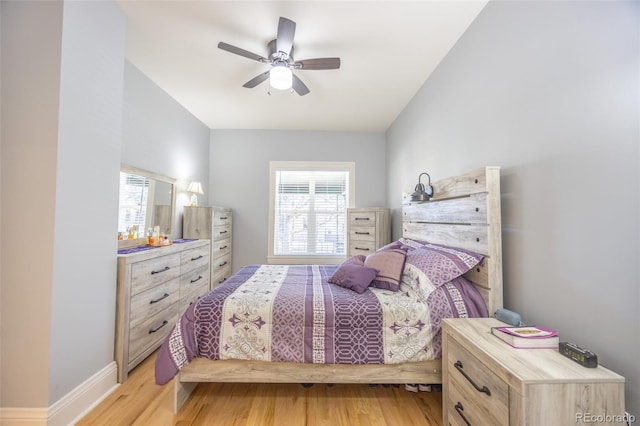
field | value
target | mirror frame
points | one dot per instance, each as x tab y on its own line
135	242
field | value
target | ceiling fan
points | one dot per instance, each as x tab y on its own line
280	57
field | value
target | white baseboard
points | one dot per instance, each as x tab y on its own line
70	408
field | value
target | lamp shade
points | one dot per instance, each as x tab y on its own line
195	187
281	77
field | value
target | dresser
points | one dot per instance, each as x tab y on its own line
487	382
155	286
214	223
368	229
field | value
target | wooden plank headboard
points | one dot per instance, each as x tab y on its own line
465	213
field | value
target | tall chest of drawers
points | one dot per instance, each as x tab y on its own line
216	224
487	382
368	229
154	287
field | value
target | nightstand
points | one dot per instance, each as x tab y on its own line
487	382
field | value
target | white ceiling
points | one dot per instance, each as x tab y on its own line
387	51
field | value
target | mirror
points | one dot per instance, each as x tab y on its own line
147	200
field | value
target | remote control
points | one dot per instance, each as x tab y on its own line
582	356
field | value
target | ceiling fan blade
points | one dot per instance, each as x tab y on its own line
300	88
286	31
319	64
256	80
229	48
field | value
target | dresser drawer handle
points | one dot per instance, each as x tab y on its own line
361	248
157	300
460	409
223	247
223	232
196	258
362	218
222	264
482	389
153	330
363	233
223	218
197	279
166	268
222	280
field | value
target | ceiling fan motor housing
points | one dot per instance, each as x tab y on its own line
276	56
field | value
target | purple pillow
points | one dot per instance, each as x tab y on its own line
357	259
353	276
390	265
442	264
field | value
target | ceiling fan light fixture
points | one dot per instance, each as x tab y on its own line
281	77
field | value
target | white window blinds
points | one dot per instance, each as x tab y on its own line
134	191
310	207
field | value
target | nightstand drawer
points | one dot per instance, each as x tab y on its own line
483	396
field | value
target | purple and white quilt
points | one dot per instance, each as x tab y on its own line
290	313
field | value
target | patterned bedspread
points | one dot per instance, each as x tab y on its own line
290	313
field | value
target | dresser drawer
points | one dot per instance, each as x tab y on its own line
194	258
191	297
154	300
362	233
222	217
220	248
221	263
361	247
465	373
150	332
196	278
362	218
221	233
150	273
220	275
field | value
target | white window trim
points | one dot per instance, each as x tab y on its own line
274	166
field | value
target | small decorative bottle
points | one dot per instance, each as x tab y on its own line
150	236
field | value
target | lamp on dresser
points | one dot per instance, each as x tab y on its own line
195	188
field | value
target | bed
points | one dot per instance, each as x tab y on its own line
462	220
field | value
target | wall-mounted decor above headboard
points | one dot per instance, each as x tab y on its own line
464	212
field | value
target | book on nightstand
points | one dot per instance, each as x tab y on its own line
528	337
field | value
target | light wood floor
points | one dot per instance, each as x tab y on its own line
139	401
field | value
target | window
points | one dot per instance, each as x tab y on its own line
135	193
308	211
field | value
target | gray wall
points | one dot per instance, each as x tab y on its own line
549	91
61	135
239	175
161	136
66	128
